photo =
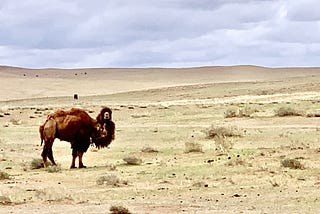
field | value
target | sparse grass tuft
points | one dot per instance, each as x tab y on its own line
222	131
288	111
15	122
193	147
53	169
36	163
238	162
313	114
148	149
119	210
223	144
200	184
4	200
111	167
221	136
140	115
132	160
241	112
292	164
4	175
230	113
110	180
247	111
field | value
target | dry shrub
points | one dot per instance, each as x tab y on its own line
313	114
111	167
292	164
4	200
274	183
110	180
119	210
36	163
132	160
237	162
241	112
247	111
53	169
148	149
222	131
229	113
222	135
140	115
200	184
288	111
193	147
4	175
15	122
223	144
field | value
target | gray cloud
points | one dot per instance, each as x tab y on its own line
168	33
305	11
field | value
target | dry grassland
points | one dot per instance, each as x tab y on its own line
204	140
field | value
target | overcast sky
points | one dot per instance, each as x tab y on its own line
159	33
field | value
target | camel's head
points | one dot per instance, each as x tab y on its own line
104	132
105	115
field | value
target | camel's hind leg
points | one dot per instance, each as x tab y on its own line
47	153
50	155
44	154
47	134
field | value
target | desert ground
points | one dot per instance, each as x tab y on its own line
238	139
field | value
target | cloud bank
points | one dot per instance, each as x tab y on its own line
152	33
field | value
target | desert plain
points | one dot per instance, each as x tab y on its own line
234	139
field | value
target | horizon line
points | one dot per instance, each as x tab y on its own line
157	67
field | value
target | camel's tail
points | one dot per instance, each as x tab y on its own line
41	129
